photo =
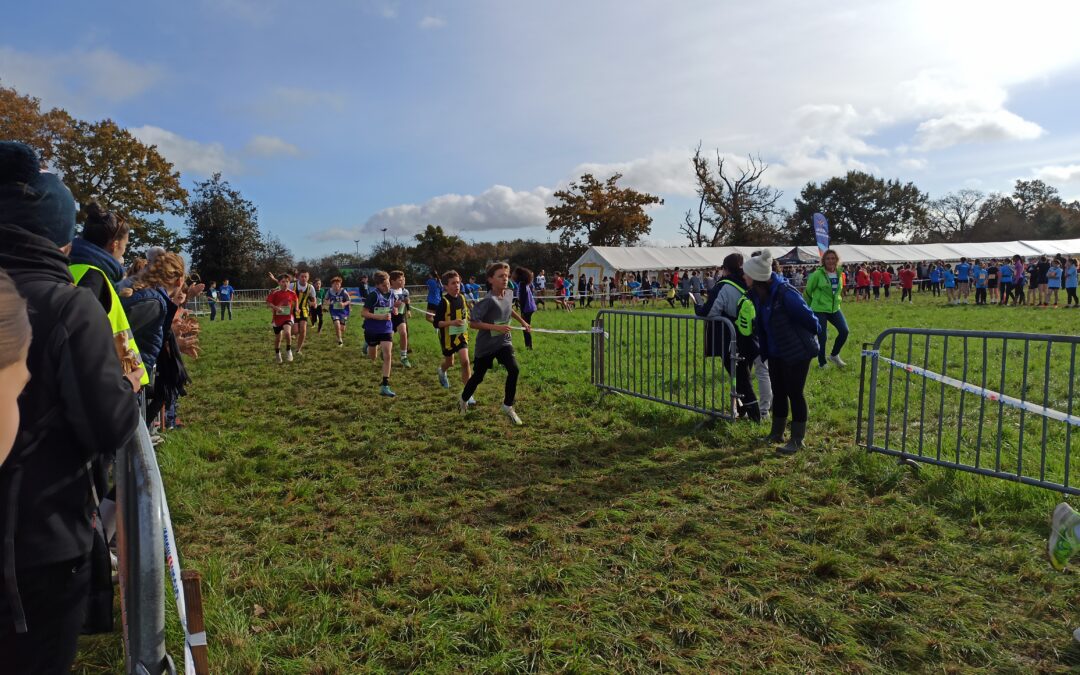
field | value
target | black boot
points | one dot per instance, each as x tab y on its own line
776	434
798	433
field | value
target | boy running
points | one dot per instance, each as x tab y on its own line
282	302
434	294
339	300
401	304
305	307
378	326
320	301
491	317
452	320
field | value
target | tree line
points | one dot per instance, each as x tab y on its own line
735	205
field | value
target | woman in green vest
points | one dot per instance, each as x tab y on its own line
822	293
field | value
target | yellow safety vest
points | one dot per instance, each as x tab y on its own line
117	317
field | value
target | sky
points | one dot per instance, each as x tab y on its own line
340	118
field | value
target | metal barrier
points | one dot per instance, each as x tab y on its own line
661	358
991	403
141	552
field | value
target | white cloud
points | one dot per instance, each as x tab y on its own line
1059	174
974	127
187	155
665	173
299	98
914	164
497	208
79	80
270	146
432	22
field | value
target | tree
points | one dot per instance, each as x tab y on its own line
21	119
223	234
435	249
592	213
272	256
734	207
861	208
950	218
102	161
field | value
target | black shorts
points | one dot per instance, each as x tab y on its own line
455	348
374	339
301	318
396	320
278	329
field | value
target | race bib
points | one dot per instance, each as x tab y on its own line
338	305
382	311
283	310
459	330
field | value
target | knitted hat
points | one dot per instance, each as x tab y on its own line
32	199
759	267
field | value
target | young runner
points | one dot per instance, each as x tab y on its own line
963	283
282	302
491	317
452	320
992	281
525	299
981	275
950	285
320	300
339	300
434	293
379	327
907	281
401	304
1053	281
305	306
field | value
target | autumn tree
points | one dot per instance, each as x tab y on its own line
595	213
223	235
735	206
861	208
21	119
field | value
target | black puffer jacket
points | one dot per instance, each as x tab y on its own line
77	407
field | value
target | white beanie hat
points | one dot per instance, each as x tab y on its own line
759	267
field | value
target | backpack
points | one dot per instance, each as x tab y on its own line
745	312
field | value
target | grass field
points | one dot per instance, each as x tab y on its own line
340	532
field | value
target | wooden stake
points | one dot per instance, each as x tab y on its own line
192	582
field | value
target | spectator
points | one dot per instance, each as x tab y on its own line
822	293
729	300
907	281
225	295
787	334
211	299
78	407
526	299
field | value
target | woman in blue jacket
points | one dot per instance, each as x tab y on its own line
788	332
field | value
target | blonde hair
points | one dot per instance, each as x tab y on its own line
166	269
379	277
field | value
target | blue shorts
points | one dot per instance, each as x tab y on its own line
340	317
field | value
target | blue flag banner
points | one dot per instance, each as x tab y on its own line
821	232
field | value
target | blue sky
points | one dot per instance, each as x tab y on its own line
340	118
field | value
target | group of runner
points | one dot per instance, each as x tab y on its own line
453	308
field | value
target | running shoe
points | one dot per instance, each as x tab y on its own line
443	380
406	362
508	410
472	401
384	390
277	357
289	356
835	358
1064	535
340	343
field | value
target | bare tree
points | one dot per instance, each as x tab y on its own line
952	217
734	206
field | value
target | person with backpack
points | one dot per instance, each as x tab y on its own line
728	300
787	335
822	293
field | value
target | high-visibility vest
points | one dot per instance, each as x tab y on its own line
117	317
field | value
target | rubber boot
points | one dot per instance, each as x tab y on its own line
798	433
776	434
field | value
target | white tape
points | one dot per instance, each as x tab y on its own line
988	394
554	331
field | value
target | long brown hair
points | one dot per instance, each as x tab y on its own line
165	270
14	323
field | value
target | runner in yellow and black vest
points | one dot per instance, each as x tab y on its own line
305	305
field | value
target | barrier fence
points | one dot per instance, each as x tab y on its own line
991	403
146	549
661	358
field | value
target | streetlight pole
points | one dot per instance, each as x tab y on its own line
357	248
384	235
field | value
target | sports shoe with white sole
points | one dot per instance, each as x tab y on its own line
289	356
277	357
835	358
443	380
1064	535
508	410
472	401
385	390
406	362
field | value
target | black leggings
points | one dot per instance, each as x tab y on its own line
528	335
747	402
788	382
316	317
905	294
1070	296
505	356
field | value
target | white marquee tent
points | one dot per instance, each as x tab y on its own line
605	261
